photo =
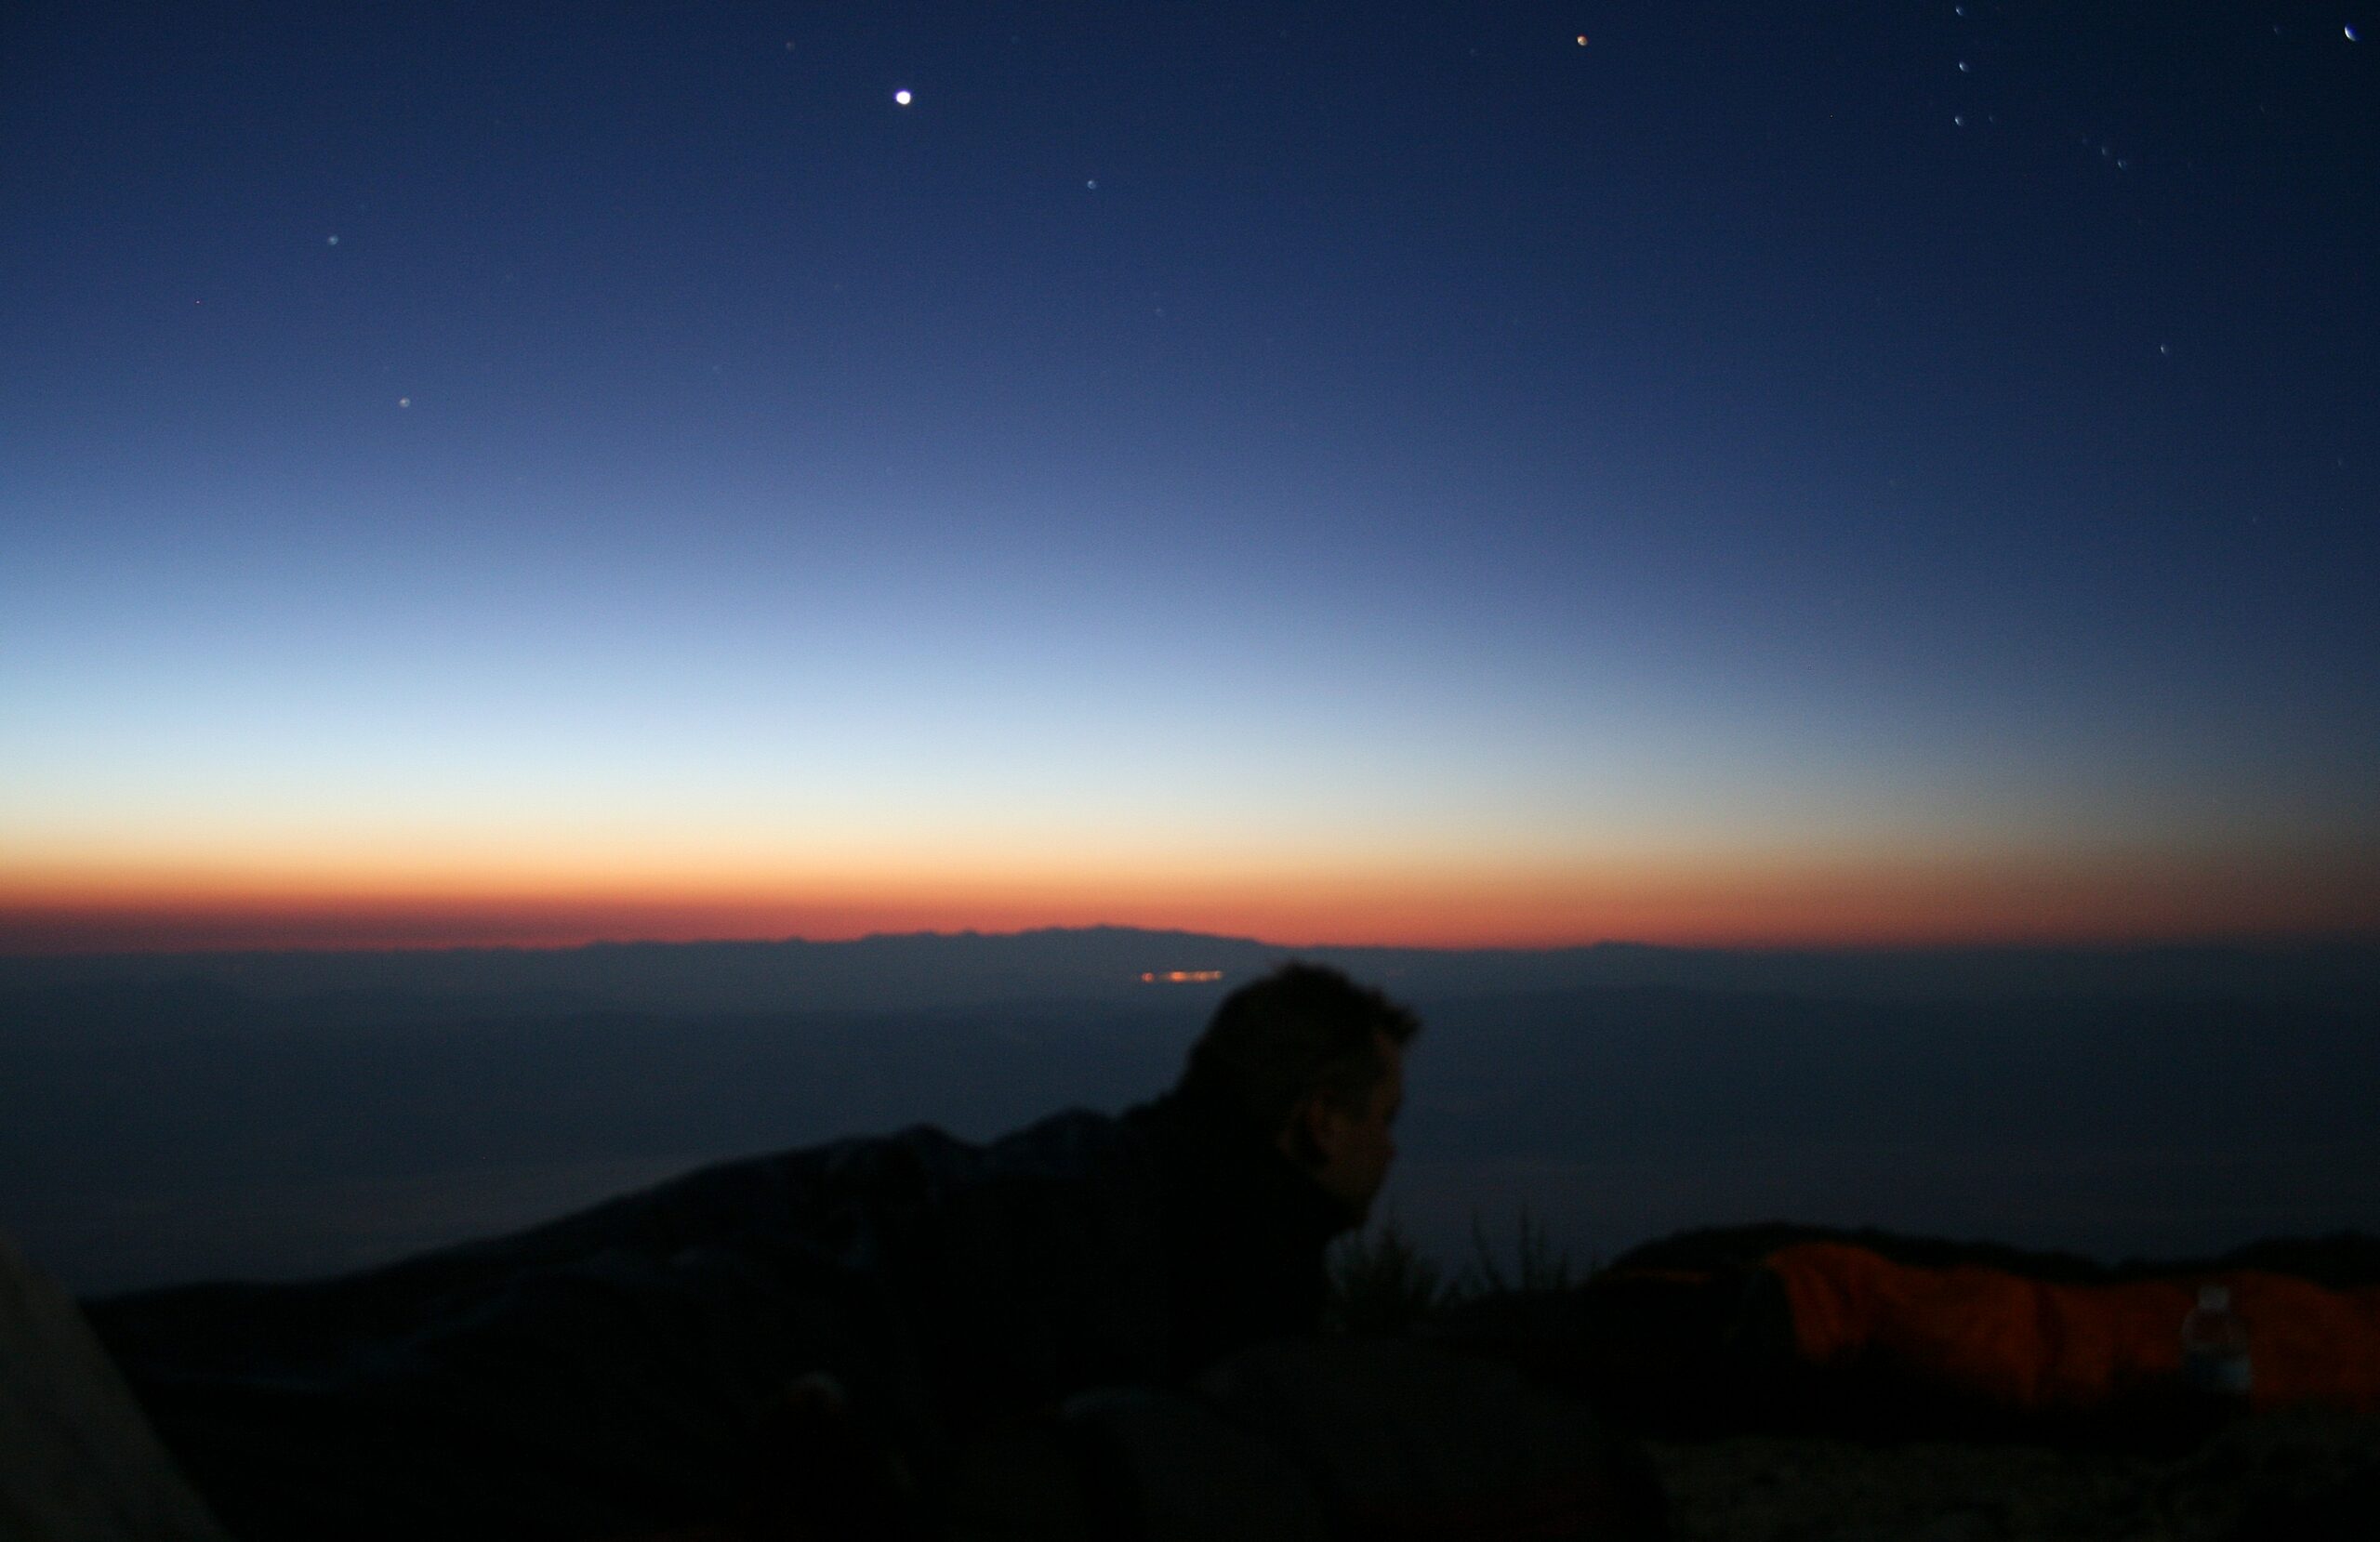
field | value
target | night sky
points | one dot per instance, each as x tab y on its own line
1430	473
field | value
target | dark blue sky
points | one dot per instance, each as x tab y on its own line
1194	464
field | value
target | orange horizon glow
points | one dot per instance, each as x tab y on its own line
1772	902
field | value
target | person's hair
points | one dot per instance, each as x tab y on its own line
1302	1030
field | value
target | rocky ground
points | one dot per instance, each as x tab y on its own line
2301	1475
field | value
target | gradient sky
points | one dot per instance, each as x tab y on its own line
1331	472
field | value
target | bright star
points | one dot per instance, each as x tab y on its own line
902	95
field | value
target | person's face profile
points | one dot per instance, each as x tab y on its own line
1354	1144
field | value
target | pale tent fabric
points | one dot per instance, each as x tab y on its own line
78	1461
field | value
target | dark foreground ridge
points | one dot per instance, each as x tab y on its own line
1667	1393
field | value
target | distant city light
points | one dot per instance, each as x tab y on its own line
1180	977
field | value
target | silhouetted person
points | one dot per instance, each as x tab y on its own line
656	1360
1277	1139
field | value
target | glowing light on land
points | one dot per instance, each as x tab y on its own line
1180	977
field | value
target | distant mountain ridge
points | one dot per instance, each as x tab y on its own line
910	971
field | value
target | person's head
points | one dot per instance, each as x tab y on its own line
1315	1063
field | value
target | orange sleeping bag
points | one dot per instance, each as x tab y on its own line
2039	1347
